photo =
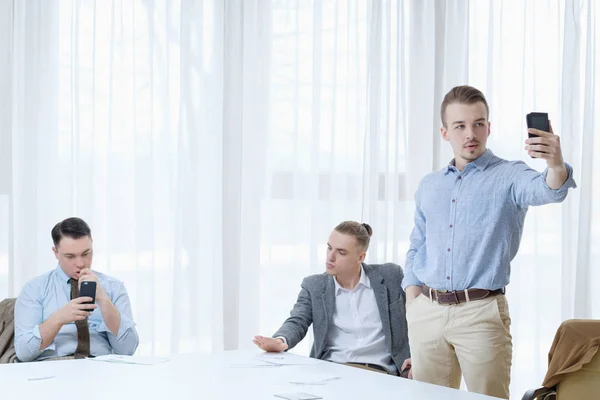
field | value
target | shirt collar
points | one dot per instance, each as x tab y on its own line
480	163
61	274
364	280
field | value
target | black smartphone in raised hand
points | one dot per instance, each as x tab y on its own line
88	289
538	120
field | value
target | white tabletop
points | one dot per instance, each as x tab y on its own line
226	375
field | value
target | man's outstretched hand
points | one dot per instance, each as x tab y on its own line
270	344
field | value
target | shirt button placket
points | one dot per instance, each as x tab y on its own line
452	222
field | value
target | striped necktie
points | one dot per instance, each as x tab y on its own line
83	331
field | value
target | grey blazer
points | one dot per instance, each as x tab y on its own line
316	304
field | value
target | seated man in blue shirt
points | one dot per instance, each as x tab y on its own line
468	225
52	321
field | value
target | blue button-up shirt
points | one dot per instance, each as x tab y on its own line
44	295
468	224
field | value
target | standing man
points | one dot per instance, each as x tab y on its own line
52	321
468	224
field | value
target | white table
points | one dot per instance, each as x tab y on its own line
209	377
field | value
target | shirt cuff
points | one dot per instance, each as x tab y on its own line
37	336
568	184
36	332
410	280
125	325
282	338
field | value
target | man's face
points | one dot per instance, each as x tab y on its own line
467	130
74	255
344	255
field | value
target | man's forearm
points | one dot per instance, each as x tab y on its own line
48	330
556	177
110	315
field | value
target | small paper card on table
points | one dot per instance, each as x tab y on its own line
298	396
120	359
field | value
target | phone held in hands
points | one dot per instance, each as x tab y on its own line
538	120
88	289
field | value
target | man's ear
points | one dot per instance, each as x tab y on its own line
444	133
55	251
362	256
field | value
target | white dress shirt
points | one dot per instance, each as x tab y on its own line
357	332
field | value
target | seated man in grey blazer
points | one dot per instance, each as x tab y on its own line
357	310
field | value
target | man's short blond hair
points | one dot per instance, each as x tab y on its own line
463	95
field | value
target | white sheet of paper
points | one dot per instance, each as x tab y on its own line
254	364
140	360
316	382
40	378
285	359
298	396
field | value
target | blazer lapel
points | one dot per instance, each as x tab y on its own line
329	308
383	303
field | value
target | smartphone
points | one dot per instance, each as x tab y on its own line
538	120
88	289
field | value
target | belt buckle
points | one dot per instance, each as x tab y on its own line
445	293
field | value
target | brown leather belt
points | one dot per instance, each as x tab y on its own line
370	366
458	296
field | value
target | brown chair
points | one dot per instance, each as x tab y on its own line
540	394
7	331
573	364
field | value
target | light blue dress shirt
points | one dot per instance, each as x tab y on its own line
468	224
44	295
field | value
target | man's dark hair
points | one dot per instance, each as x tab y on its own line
73	228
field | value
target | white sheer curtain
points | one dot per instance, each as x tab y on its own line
145	119
212	145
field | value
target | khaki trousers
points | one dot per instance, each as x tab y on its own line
470	339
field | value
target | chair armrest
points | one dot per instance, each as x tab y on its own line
534	394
